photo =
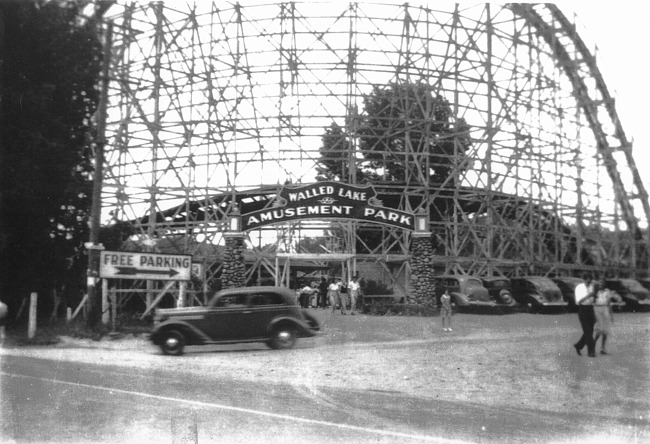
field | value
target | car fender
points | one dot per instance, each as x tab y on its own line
460	299
187	329
301	326
506	297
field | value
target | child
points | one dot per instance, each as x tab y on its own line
445	311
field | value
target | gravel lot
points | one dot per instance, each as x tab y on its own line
516	361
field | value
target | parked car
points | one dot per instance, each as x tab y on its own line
537	293
499	289
645	282
635	296
567	286
248	314
465	291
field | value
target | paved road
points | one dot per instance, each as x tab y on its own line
486	382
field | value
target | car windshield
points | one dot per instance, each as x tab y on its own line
632	285
542	284
498	283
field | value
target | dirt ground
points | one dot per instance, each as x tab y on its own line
514	361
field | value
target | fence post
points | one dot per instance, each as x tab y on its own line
105	308
31	328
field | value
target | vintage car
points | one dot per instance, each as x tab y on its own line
645	282
567	286
537	293
248	314
465	291
498	288
635	296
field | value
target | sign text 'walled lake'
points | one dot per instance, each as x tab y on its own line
328	200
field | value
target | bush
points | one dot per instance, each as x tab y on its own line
369	286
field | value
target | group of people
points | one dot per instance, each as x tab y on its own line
594	301
333	294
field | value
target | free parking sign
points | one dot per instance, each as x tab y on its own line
150	266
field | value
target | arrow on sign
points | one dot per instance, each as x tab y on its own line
133	271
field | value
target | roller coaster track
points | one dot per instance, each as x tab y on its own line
575	59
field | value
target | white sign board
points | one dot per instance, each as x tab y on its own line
152	266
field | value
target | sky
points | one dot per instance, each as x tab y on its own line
621	31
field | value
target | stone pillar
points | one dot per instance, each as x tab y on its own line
422	285
233	274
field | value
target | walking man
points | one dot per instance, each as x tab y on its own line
353	291
322	293
585	294
343	296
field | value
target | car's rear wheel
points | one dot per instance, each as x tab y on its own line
283	338
172	343
532	306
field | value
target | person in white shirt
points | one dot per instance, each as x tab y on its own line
585	294
353	290
333	294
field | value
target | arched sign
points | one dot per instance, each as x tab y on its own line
328	200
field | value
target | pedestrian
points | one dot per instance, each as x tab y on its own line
584	297
322	293
333	294
603	314
353	290
445	311
343	296
305	294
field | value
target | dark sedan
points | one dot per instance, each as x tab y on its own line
465	291
248	314
500	290
538	293
635	296
567	286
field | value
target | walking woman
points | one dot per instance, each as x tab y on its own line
603	312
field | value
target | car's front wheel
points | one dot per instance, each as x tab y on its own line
506	297
283	338
172	343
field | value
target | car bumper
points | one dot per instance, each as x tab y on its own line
481	304
554	304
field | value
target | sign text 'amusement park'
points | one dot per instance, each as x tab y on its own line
328	200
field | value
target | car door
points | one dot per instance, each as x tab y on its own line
224	322
264	306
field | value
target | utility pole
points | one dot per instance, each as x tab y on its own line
93	246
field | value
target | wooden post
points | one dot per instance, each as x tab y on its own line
31	328
113	296
105	307
182	294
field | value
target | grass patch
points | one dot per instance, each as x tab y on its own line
51	333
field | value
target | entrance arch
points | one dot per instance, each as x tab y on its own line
334	201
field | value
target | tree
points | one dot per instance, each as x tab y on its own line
403	127
50	66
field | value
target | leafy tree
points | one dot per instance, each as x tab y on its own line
403	126
49	70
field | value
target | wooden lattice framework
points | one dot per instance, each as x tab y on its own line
215	103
